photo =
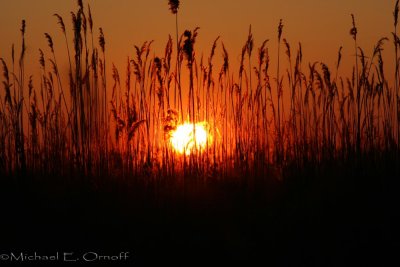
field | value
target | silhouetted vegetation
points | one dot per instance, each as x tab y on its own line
335	135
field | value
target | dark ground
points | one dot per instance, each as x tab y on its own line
332	218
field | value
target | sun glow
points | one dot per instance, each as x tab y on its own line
182	138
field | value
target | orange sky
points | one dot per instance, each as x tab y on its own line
321	26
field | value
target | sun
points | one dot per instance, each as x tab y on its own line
187	135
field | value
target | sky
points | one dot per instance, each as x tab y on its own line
321	26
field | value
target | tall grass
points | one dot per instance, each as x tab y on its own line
330	117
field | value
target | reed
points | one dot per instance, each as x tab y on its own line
332	117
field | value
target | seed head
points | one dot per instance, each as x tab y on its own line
102	41
173	6
353	30
280	29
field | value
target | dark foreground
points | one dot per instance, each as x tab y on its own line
330	217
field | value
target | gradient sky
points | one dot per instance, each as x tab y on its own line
321	26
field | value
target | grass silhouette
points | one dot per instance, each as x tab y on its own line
301	164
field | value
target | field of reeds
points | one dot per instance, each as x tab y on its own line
295	139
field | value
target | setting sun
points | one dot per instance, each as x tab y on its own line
182	138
